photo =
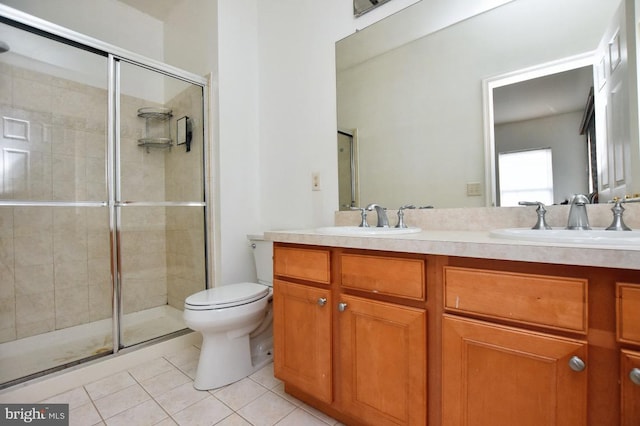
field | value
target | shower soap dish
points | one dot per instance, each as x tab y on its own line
158	119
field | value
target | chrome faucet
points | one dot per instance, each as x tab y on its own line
383	221
578	213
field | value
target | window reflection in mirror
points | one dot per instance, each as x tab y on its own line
525	176
549	111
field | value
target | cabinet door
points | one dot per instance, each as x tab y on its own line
502	376
383	363
302	338
630	388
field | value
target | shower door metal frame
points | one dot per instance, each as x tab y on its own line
115	56
116	204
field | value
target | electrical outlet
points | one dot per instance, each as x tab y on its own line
315	181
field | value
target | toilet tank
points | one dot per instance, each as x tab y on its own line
263	257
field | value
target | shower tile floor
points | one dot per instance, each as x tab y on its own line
161	392
33	354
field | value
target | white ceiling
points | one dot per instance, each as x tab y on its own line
555	94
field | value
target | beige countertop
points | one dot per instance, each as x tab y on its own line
478	244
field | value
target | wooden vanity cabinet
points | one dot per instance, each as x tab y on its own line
302	318
356	347
500	375
382	369
302	340
628	333
630	387
382	345
362	335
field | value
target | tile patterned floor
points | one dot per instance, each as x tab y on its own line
160	392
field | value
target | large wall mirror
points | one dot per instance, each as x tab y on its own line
417	106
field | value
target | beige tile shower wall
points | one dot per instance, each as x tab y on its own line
7	280
185	225
143	234
54	262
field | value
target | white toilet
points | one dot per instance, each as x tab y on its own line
235	322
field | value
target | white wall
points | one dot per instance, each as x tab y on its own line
239	149
190	39
297	106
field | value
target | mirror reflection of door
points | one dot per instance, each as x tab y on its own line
550	112
347	169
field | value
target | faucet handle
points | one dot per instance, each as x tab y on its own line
618	224
401	223
541	223
363	216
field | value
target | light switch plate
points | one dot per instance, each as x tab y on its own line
474	189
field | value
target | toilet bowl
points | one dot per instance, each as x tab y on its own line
235	322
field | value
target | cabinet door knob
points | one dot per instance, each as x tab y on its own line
577	364
342	306
634	376
322	301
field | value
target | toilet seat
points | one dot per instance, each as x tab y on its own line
226	296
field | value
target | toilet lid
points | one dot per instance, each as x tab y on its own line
226	296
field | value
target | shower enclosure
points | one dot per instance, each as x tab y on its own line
102	197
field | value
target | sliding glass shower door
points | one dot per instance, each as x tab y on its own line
102	205
55	281
159	200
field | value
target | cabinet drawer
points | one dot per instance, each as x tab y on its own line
304	264
555	302
628	310
392	276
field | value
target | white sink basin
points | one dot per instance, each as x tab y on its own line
593	236
358	231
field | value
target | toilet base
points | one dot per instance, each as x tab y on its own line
225	360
